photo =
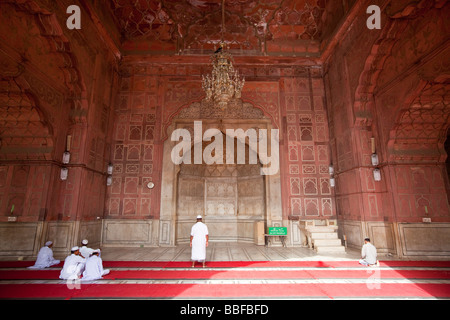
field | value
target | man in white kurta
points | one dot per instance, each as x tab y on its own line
73	265
84	250
199	241
45	257
94	267
368	254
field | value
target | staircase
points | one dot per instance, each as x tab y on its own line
322	236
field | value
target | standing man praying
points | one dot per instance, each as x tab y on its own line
199	241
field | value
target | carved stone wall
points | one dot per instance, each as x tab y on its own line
53	84
232	193
393	90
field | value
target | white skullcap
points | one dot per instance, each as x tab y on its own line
84	242
96	251
74	248
48	243
199	217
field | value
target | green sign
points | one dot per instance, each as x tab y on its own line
278	231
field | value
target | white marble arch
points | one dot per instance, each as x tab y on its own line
175	228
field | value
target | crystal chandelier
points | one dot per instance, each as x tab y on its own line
224	82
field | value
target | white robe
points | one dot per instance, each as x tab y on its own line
86	252
94	269
199	231
369	253
44	259
73	267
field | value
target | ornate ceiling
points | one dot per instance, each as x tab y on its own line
251	27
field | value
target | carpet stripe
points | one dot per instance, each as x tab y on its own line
246	291
234	274
245	264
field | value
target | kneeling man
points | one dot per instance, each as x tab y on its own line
369	254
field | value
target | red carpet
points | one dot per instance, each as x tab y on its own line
234	274
285	274
248	280
244	264
246	291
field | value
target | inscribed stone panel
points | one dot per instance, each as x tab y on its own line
295	186
293	169
308	153
147	168
149	132
118	152
148	152
322	153
296	206
145	206
293	153
373	205
114	206
311	207
325	187
327	209
131	185
310	186
306	133
309	169
303	103
135	133
133	152
292	133
129	206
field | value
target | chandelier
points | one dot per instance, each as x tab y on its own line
224	82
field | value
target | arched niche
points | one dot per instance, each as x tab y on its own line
230	196
212	189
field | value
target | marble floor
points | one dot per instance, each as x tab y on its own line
220	251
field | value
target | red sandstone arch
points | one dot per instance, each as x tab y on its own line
24	130
53	32
420	129
30	102
421	119
381	50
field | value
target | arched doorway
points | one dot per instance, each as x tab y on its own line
235	199
230	197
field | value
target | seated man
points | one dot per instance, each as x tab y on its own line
84	250
73	265
94	267
368	254
45	257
